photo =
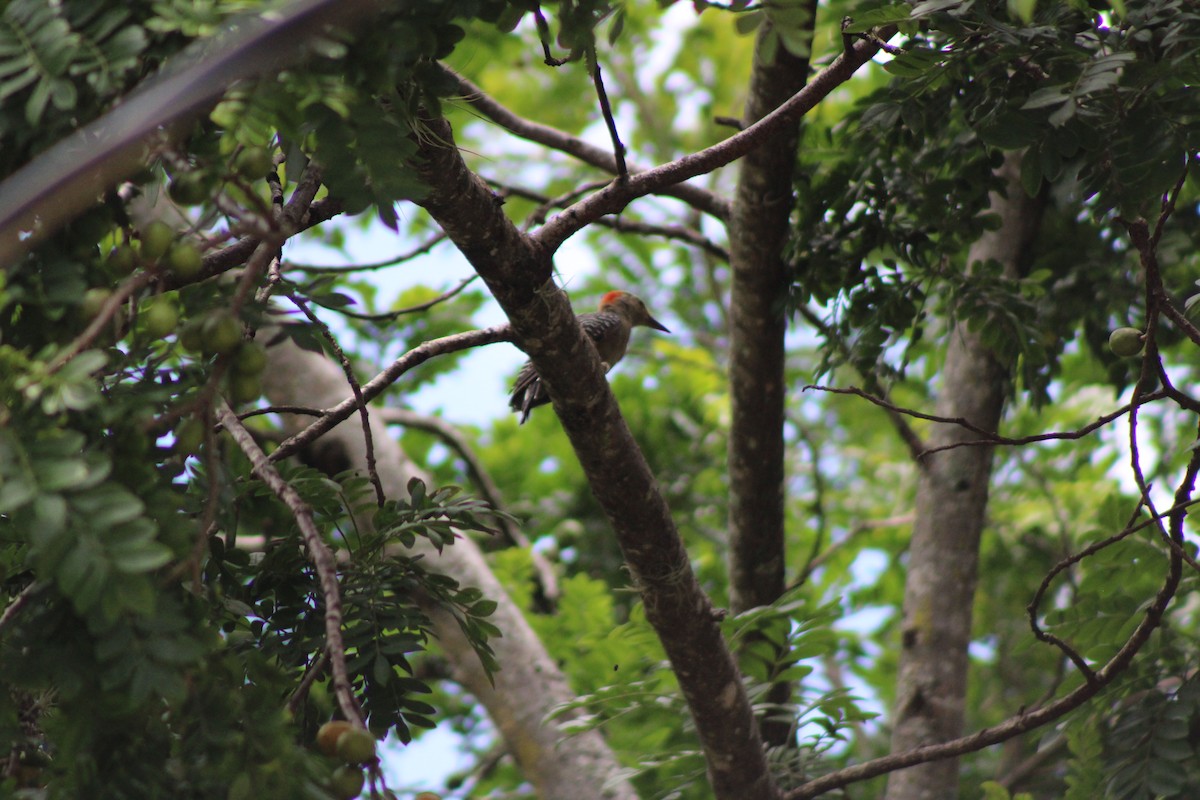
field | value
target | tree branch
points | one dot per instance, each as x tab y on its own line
620	193
695	196
758	233
1022	722
530	684
318	551
518	271
372	388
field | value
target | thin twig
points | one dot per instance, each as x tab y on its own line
685	234
128	287
619	194
912	440
1074	558
543	29
707	201
352	380
309	677
305	410
19	602
991	438
320	554
408	255
606	110
415	357
390	316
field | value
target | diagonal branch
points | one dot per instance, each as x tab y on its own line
619	194
518	271
1016	725
318	551
695	196
372	388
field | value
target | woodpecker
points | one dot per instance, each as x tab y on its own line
608	328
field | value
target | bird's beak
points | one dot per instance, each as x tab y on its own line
653	323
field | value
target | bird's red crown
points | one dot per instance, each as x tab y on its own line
611	297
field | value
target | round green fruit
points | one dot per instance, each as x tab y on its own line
188	189
93	301
157	238
244	388
254	162
347	782
192	336
122	260
1126	342
221	333
160	317
185	261
356	746
250	359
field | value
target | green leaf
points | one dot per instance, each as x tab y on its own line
139	557
748	22
864	21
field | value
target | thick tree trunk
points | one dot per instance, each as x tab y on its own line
757	233
529	684
951	509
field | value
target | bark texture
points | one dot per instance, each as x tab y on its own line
758	230
517	270
757	234
951	510
529	684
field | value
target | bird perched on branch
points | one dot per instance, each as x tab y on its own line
608	328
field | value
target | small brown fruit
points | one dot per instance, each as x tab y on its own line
328	734
1126	342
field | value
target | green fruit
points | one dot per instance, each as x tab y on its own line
184	261
189	435
157	238
1126	342
250	359
356	746
244	388
347	782
192	336
188	189
254	162
160	317
328	734
93	301
122	260
221	333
